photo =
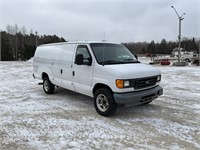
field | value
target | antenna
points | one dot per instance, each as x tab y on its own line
104	36
103	54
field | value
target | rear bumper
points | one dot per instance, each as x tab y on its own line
138	97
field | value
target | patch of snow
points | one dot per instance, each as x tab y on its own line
30	119
30	60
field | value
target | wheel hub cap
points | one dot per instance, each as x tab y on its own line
46	85
102	102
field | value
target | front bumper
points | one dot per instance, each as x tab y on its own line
138	97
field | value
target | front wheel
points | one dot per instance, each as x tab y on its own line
48	87
104	102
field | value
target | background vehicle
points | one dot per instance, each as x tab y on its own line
187	58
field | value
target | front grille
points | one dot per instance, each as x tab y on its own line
144	82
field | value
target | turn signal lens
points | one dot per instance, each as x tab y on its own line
120	84
159	78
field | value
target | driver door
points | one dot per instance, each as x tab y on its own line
82	70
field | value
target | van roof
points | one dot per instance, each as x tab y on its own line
77	42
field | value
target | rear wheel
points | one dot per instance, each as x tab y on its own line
48	87
104	102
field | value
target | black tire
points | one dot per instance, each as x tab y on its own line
48	87
104	102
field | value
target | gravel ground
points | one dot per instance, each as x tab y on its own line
30	119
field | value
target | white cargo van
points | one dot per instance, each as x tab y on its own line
108	72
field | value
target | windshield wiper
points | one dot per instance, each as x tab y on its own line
109	62
131	61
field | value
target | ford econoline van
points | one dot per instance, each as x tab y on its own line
106	71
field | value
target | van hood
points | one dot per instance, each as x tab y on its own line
136	70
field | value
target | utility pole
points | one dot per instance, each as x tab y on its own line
179	36
104	36
1	20
36	41
16	50
199	51
0	45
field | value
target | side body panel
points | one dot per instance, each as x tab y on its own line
56	61
42	62
66	62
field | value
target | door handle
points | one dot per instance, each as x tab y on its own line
73	73
61	71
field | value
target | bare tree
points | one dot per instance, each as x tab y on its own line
23	30
9	29
16	30
13	30
31	31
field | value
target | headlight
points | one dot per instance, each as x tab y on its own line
126	83
159	78
122	84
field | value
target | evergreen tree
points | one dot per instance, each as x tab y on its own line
16	44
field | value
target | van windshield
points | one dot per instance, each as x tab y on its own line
107	53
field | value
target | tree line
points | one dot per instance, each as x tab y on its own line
163	47
18	44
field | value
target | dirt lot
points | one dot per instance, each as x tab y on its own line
30	119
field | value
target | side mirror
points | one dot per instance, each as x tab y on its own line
136	56
79	59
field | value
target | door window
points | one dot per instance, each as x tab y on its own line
83	56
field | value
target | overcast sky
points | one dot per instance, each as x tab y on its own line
120	20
